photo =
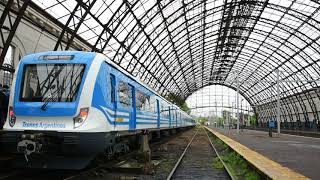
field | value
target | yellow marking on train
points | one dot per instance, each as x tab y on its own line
270	168
119	119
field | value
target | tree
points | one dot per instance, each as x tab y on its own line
202	120
226	114
221	121
253	120
179	102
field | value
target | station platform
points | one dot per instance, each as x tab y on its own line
301	154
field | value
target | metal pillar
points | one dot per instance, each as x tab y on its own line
232	114
242	113
216	110
278	100
238	115
248	117
6	42
228	114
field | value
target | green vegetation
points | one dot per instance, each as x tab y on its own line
253	120
166	165
238	166
179	101
224	119
225	114
216	140
252	176
202	120
217	163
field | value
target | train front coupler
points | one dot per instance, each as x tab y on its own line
29	143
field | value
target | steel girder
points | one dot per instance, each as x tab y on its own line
74	22
7	32
179	46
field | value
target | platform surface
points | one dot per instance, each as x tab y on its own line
301	154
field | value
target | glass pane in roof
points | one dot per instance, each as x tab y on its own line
272	14
283	3
274	39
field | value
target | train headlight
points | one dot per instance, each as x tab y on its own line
12	117
81	117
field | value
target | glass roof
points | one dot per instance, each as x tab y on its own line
211	101
180	46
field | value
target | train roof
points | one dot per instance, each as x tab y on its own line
108	59
66	56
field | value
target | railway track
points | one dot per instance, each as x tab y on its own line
35	174
196	160
105	169
112	172
102	170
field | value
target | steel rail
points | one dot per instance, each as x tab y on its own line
181	157
109	165
10	174
185	150
224	165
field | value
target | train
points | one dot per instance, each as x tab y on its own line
66	107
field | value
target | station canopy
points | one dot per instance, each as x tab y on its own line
180	46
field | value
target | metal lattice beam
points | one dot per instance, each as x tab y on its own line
6	39
177	46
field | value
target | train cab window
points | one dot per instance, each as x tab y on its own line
112	88
51	82
142	101
125	94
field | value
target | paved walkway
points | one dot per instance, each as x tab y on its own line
301	154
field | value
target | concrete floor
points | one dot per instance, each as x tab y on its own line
299	153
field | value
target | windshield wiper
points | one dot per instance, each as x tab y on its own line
61	89
54	74
49	99
52	95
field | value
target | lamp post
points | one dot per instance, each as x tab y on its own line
242	115
278	100
248	120
238	115
233	113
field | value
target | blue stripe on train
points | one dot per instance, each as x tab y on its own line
146	122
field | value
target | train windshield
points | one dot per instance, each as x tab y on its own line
51	82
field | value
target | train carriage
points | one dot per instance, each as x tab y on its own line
72	104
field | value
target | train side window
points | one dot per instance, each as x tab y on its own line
153	104
142	101
125	94
164	111
112	88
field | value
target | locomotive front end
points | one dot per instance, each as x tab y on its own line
46	114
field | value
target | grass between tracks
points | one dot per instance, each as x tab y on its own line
238	166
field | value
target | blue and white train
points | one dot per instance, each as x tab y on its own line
71	105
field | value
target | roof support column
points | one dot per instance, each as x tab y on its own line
278	100
238	115
13	27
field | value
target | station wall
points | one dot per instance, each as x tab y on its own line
297	111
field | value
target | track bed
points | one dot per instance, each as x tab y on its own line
198	159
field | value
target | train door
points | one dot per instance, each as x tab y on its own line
169	116
176	117
173	123
133	113
158	113
113	96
